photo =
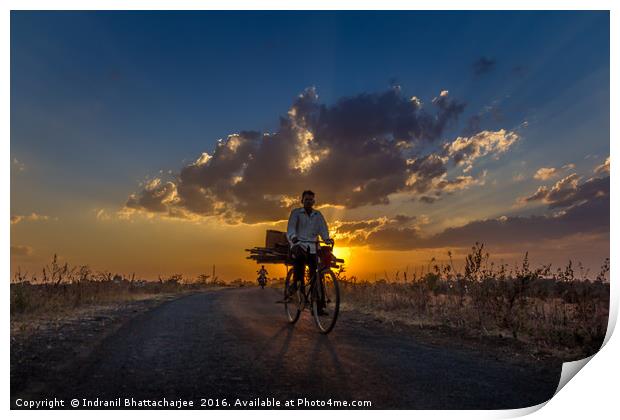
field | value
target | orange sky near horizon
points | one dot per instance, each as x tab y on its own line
160	247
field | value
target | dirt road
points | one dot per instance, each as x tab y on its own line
234	343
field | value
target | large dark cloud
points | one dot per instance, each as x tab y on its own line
388	115
354	153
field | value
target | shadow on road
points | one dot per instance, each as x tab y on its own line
284	348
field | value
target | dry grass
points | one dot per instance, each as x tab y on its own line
62	287
553	311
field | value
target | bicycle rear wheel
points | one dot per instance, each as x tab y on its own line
291	308
326	301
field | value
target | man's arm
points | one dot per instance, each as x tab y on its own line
323	230
291	230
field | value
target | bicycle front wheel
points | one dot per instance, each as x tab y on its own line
291	306
326	301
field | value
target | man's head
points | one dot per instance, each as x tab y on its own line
262	266
307	199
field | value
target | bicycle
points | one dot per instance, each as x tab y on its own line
322	295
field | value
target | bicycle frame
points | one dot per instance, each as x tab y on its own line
313	298
313	276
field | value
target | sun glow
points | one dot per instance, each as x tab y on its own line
344	253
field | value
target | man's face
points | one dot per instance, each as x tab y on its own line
308	201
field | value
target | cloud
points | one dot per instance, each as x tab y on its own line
563	189
33	217
465	150
403	220
429	199
602	168
591	217
491	112
154	197
21	250
356	152
436	185
460	183
544	174
350	227
540	194
428	174
425	171
578	208
569	191
473	124
252	177
483	65
394	239
577	193
355	233
102	215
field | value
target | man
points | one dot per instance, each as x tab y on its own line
262	274
304	225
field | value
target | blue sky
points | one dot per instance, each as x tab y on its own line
102	100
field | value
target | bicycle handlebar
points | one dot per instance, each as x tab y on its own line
316	242
331	245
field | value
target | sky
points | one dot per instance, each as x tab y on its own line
168	142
